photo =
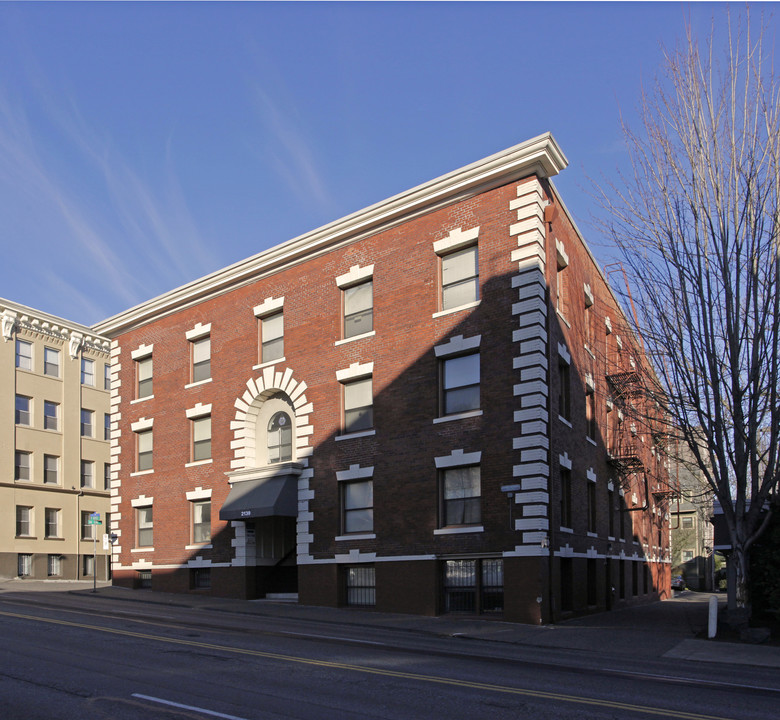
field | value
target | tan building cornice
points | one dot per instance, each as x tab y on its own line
540	156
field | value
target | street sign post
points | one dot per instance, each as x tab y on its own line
94	519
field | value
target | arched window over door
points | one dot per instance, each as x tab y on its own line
279	438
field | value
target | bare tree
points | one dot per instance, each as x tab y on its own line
696	221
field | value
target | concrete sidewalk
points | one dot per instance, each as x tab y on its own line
669	629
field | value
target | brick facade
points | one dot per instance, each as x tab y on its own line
390	515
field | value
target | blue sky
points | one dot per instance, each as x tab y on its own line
143	145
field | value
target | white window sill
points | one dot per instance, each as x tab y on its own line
354	337
610	537
560	315
566	530
592	441
141	472
592	534
139	400
195	463
199	546
589	351
459	416
142	550
268	363
196	384
352	436
459	530
622	540
564	421
449	311
365	536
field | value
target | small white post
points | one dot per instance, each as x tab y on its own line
712	626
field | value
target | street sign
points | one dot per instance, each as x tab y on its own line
94	519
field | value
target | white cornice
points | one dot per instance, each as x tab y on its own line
540	155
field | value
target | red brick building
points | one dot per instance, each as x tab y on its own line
427	406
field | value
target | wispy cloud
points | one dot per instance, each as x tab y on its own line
292	155
91	215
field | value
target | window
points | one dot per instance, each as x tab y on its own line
87	372
87	528
51	469
279	438
51	362
459	278
590	414
201	359
51	412
358	405
52	523
201	521
564	390
687	555
88	566
591	507
460	496
460	384
87	474
474	586
144	519
22	415
106	476
24	355
272	337
106	377
360	585
87	423
201	438
106	426
24	521
24	564
200	578
359	309
143	373
54	565
21	465
357	507
687	522
145	445
565	497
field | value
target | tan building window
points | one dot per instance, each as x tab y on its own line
87	474
87	423
23	413
52	529
88	372
51	469
51	413
22	465
51	362
24	355
24	521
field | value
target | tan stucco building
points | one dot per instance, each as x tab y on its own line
54	446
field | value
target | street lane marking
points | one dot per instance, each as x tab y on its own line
537	694
186	707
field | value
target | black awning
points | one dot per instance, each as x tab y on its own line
266	497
